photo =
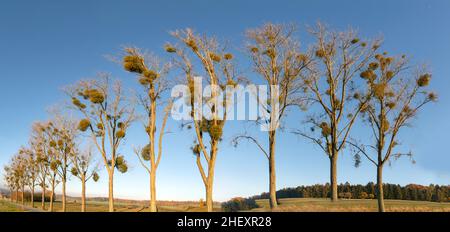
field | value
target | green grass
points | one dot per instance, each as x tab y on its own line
325	205
286	205
6	206
102	206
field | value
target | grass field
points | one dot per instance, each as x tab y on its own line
96	206
286	205
101	206
324	205
6	206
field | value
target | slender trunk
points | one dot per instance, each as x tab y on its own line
333	177
210	181
32	196
152	123
64	181
51	202
111	192
380	192
83	193
272	171
17	195
52	196
381	140
43	197
64	194
209	197
153	207
23	195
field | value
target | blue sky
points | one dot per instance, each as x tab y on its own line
45	45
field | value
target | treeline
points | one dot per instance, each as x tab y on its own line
17	196
413	192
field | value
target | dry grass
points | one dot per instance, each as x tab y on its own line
324	205
102	206
286	205
6	206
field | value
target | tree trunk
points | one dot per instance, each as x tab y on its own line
17	195
152	124
380	192
333	177
22	196
51	202
64	194
32	196
210	180
272	171
83	194
52	196
43	197
209	197
153	207
64	181
111	191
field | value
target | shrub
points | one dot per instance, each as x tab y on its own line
363	195
239	204
346	195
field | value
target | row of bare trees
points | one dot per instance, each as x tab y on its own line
51	157
336	81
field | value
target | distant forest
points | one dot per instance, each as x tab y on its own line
414	192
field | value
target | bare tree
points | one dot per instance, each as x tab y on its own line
396	96
19	175
53	158
62	133
278	61
152	76
339	57
83	169
53	176
106	117
32	170
40	146
12	179
9	180
219	71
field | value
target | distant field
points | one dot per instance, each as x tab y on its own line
324	205
101	206
286	205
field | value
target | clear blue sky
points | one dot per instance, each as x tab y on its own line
45	45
